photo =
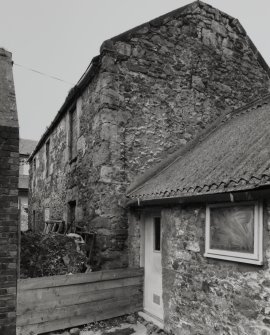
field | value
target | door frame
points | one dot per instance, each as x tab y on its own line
150	213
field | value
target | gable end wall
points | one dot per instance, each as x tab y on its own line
155	89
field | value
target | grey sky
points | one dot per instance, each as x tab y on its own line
60	37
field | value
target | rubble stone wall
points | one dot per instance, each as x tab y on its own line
210	296
155	89
9	173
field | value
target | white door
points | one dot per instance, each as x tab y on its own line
153	303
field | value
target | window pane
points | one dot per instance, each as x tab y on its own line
157	234
232	228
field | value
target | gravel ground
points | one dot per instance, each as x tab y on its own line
131	324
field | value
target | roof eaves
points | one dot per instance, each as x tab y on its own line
74	93
197	191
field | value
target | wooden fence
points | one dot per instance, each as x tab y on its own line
59	302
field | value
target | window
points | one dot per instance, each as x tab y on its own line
234	232
71	216
72	134
157	234
24	166
47	158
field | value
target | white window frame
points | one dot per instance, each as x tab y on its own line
251	258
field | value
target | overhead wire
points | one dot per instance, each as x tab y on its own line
43	74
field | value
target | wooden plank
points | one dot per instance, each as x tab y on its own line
39	296
43	293
123	307
53	281
60	301
53	303
92	308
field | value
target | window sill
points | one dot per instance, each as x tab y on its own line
235	259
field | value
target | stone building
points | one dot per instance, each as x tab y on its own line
9	173
150	91
200	224
25	149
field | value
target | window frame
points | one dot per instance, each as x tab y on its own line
252	258
72	134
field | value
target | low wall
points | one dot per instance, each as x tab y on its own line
58	302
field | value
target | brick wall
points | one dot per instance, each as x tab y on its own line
9	171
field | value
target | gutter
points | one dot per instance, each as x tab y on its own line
230	196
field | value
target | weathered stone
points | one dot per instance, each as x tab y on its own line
193	246
209	38
106	174
152	90
123	48
74	331
130	319
219	28
197	83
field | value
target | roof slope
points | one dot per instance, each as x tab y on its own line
234	155
94	65
26	146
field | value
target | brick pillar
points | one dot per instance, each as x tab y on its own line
9	174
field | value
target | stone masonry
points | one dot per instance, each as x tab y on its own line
153	89
208	296
9	173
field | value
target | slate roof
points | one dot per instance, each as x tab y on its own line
26	146
232	155
94	65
